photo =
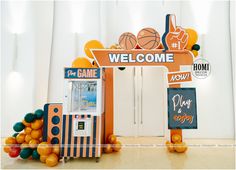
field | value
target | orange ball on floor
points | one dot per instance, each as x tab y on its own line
112	139
52	160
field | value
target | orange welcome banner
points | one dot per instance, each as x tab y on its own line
117	57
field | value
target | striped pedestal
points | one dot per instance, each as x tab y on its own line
81	146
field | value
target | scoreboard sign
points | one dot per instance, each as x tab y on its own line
182	108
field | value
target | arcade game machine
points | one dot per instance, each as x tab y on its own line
83	113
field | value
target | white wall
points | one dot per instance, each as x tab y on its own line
18	84
71	18
24	88
125	16
214	94
233	50
43	23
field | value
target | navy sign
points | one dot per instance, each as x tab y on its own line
82	73
182	108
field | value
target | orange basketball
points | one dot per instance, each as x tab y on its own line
148	38
127	41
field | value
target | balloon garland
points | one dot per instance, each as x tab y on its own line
27	141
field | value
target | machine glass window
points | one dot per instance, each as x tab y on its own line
83	96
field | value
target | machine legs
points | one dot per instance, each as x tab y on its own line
65	159
97	159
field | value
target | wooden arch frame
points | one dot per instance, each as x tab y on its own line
181	57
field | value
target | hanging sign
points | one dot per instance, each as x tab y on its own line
179	77
182	108
137	57
82	73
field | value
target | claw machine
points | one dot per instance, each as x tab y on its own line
83	113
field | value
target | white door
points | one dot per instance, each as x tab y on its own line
125	117
139	101
151	105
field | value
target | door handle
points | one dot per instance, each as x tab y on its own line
141	95
134	96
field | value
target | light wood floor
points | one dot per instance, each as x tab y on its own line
147	153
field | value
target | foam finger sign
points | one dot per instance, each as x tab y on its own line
174	38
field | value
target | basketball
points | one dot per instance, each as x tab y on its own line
148	38
127	41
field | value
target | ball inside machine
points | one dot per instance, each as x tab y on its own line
83	113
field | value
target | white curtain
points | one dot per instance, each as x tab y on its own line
233	52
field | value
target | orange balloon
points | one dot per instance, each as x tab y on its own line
25	123
195	53
37	124
56	149
176	138
20	138
93	44
117	146
180	147
167	143
43	158
192	38
112	139
36	134
6	149
10	140
170	147
33	143
52	160
115	46
108	148
27	138
24	145
27	130
44	148
81	62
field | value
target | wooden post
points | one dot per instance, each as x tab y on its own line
109	103
175	131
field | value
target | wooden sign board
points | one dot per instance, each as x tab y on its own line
179	77
137	57
82	73
182	108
